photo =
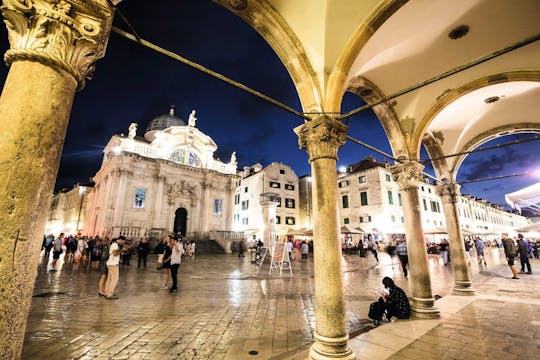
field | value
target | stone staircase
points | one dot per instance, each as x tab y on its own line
207	246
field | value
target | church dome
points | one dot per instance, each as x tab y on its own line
163	122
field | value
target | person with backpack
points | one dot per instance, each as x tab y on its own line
95	255
510	252
103	266
523	250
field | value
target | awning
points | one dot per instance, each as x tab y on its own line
435	230
530	228
526	197
346	230
295	232
362	230
467	232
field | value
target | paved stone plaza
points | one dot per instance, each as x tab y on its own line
226	308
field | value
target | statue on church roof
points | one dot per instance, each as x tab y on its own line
233	158
132	130
192	118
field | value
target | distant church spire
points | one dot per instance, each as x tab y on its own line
171	110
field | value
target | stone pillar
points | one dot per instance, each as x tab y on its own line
53	48
206	206
462	279
408	176
321	138
120	195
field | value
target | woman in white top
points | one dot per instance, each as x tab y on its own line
176	259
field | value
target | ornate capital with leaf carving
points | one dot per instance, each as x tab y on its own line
322	137
408	174
448	192
66	34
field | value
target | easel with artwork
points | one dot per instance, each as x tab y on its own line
280	259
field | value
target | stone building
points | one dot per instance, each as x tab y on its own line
370	202
266	202
68	210
166	181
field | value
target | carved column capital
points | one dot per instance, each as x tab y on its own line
322	137
65	34
408	174
449	192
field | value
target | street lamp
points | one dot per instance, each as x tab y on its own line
82	190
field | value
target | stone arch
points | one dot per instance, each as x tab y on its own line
338	77
369	92
264	19
453	94
518	128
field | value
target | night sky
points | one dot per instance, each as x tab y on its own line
134	84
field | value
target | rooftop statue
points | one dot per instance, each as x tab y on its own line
192	118
132	130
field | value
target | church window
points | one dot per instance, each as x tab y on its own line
140	197
177	156
194	160
217	206
274	184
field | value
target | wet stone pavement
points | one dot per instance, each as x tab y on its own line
229	308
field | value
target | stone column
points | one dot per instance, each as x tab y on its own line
462	279
408	176
120	195
206	205
53	48
321	138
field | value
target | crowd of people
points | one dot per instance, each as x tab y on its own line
108	255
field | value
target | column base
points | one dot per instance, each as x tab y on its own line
325	348
463	288
424	308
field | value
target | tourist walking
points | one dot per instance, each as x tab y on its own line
113	265
510	252
374	247
305	250
401	251
103	266
443	248
142	252
57	251
467	245
241	248
523	250
166	266
176	258
290	249
480	251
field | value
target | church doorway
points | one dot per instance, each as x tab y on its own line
180	221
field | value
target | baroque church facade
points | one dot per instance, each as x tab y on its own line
166	180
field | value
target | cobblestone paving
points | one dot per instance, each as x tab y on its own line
227	307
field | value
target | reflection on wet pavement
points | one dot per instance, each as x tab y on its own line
225	307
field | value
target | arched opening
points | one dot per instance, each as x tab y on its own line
180	221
